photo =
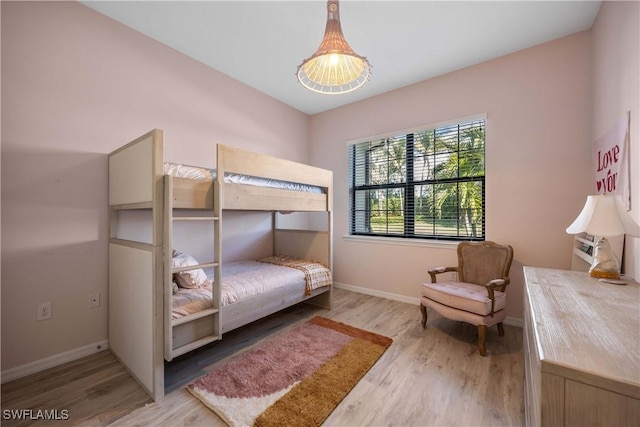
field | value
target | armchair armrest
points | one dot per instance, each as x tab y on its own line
439	270
499	284
496	284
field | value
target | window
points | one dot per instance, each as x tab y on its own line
427	184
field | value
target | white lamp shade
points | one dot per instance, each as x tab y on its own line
603	217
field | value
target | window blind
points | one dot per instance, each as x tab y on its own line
426	184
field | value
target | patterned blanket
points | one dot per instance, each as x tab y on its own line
316	275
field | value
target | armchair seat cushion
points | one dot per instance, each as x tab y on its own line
464	296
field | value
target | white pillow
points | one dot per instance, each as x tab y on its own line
191	278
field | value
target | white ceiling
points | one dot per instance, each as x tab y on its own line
261	43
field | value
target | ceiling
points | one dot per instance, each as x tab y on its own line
260	43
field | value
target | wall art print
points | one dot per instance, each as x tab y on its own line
611	161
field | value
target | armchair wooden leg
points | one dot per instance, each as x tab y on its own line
423	310
482	334
500	329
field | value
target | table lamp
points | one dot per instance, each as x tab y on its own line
603	217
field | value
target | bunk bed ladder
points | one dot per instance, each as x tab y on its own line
195	330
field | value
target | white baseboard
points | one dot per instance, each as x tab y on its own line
52	361
512	321
374	293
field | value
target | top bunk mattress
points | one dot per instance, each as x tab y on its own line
204	174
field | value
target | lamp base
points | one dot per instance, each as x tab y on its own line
603	274
605	264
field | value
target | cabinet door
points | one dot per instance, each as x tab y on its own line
531	370
552	399
592	406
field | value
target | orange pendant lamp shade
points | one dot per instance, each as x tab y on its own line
334	68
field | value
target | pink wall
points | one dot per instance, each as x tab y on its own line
75	86
616	90
537	103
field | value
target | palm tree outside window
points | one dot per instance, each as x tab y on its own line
428	184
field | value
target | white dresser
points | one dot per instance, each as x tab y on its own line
581	349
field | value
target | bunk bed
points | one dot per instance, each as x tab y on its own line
144	327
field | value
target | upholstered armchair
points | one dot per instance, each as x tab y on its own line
477	295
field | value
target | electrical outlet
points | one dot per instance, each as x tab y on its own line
44	311
94	300
452	276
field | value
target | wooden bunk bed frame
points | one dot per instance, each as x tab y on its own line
142	333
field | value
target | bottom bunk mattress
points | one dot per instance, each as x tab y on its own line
242	280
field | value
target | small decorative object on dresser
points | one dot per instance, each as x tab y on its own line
602	216
581	350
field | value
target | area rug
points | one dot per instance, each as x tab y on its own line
295	379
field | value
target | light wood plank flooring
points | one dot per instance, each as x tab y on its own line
428	377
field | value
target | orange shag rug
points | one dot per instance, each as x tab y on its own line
297	378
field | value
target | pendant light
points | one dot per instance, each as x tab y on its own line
334	68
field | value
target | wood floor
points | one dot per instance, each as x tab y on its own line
428	377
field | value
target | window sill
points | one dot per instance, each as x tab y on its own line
398	241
